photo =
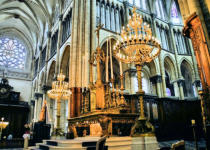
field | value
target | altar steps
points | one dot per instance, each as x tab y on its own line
119	143
83	143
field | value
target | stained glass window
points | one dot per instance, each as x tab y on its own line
174	13
12	53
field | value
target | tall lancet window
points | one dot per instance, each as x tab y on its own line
12	53
112	19
98	12
174	14
117	21
107	17
137	3
102	14
144	4
159	9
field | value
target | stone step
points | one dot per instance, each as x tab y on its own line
33	148
50	147
119	143
119	147
37	145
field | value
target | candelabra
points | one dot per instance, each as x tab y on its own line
60	91
3	125
138	46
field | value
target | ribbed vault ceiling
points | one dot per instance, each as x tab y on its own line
30	17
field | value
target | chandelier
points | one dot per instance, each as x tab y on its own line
60	91
138	46
60	88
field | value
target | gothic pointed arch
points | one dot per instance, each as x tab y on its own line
51	73
170	76
64	66
187	74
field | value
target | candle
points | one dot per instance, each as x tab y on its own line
193	122
107	61
121	68
112	77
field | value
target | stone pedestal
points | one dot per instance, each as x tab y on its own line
144	143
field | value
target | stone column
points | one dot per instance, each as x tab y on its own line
87	41
160	80
157	80
177	67
180	85
57	66
126	15
195	68
162	71
132	76
35	110
46	59
93	33
176	89
73	58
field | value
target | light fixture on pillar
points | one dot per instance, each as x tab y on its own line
3	125
60	91
138	46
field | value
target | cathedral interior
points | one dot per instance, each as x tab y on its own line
123	74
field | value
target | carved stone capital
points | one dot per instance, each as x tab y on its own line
197	83
61	17
32	102
45	88
153	15
40	47
132	72
38	95
49	33
156	79
180	82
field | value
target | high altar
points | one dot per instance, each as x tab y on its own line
104	109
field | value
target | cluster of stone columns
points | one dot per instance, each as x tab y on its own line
80	52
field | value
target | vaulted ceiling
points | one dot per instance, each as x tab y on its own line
32	18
